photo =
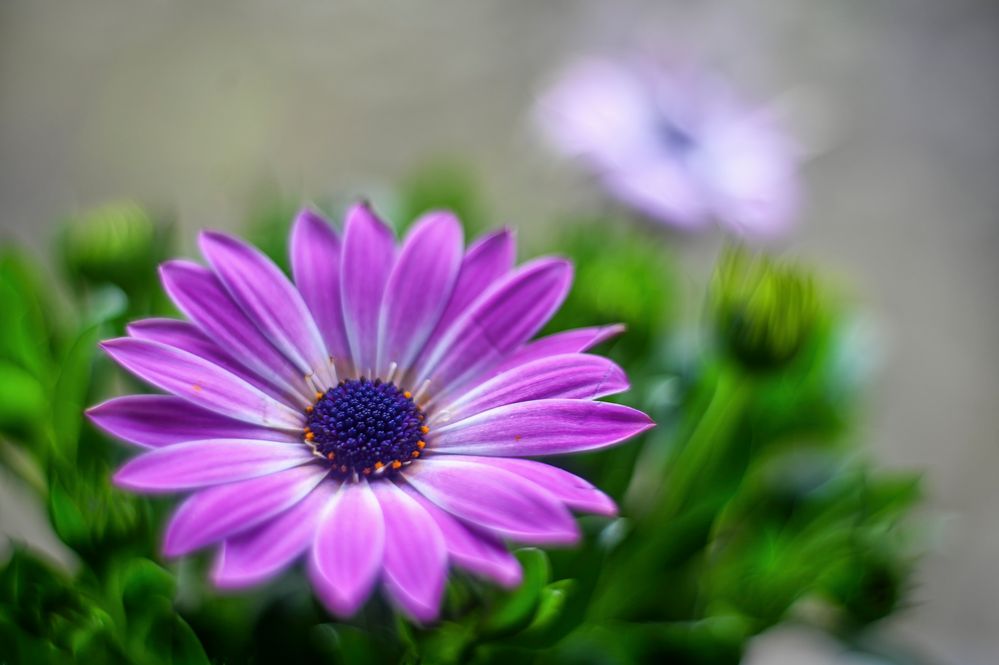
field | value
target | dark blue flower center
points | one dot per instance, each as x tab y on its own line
366	427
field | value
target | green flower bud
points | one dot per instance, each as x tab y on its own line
111	244
765	311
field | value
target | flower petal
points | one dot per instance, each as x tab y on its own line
260	553
541	427
201	383
569	341
201	297
161	420
195	464
187	337
315	264
220	512
348	550
572	375
415	555
493	499
418	288
475	551
499	321
569	488
488	259
368	254
270	300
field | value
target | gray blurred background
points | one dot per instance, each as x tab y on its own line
194	107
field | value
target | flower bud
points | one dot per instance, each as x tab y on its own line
764	311
111	244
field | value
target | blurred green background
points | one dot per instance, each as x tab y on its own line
228	116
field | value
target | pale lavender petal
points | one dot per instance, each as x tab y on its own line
188	337
418	288
221	512
259	554
541	427
488	259
201	297
315	264
195	464
201	383
415	555
572	375
493	499
572	490
348	550
368	254
570	341
499	321
475	551
162	420
270	300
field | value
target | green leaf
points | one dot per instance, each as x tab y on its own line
22	399
555	598
71	393
68	520
516	610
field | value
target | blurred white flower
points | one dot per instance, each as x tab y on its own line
674	142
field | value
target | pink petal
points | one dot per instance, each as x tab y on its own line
488	259
201	383
493	499
195	464
221	512
261	553
161	420
541	427
499	321
569	341
270	300
348	550
572	490
573	375
418	288
315	264
415	555
188	337
475	551
368	254
199	294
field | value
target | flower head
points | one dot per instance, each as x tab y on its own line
369	417
674	143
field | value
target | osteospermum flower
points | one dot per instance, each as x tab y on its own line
371	417
675	144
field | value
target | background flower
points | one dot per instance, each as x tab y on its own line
675	143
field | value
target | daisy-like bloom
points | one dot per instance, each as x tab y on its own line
675	144
371	416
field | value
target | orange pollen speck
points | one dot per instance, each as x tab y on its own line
378	465
416	453
330	456
421	444
309	408
196	388
407	394
309	436
424	429
319	395
396	464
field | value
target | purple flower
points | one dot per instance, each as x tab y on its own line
370	417
675	144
